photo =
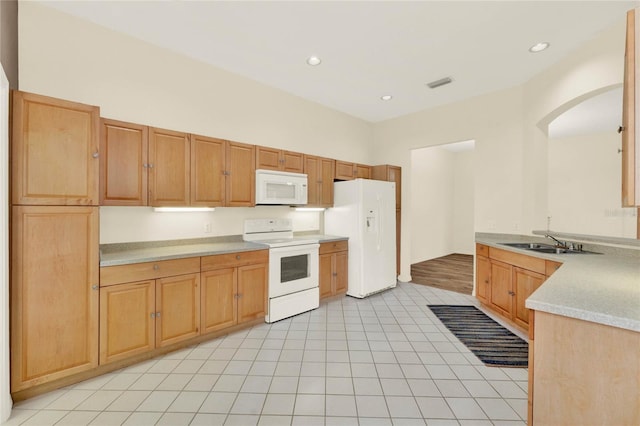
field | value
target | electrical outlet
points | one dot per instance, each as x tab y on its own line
207	227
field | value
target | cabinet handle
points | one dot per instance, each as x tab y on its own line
145	165
335	274
150	165
512	293
486	281
238	295
94	287
95	154
238	257
157	314
621	129
156	267
153	314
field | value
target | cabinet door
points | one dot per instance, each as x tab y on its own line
54	151
169	162
326	275
630	193
327	172
525	283
501	290
312	168
268	158
207	171
219	305
127	320
123	163
177	309
292	162
344	170
54	293
362	171
341	270
252	292
483	279
240	175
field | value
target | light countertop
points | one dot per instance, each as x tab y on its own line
601	288
151	251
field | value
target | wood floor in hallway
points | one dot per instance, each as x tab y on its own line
452	272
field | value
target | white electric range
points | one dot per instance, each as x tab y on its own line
293	267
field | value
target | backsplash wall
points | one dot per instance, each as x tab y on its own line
131	224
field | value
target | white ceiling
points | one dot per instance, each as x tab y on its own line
368	48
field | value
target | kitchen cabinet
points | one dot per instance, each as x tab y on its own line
240	175
234	289
582	373
505	279
54	293
208	179
391	173
54	148
320	172
629	131
348	171
278	159
124	163
148	305
169	168
333	267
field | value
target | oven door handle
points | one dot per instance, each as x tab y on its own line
304	248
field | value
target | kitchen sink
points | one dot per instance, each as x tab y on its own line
547	248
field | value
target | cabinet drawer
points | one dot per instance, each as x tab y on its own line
530	263
110	275
334	246
234	259
482	250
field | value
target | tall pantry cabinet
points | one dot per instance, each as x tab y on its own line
54	239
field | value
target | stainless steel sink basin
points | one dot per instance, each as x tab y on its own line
547	248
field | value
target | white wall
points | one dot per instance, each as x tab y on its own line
442	201
432	203
463	230
131	80
584	196
509	127
127	224
5	395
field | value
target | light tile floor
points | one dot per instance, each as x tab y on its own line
384	360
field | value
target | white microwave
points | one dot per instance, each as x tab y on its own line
281	188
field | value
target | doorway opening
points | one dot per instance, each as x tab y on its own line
442	216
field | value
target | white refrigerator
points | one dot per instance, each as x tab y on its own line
364	211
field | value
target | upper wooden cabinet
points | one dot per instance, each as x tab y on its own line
349	171
630	151
148	166
208	159
277	159
240	174
123	163
54	151
169	168
320	172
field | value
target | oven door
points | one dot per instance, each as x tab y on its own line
293	269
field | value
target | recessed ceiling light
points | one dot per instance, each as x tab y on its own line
539	47
313	60
386	97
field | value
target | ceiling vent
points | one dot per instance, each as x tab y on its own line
439	83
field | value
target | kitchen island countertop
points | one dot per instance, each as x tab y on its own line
601	288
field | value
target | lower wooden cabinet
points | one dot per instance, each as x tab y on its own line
138	317
504	281
54	293
234	289
334	272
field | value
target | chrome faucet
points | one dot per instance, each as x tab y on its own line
561	244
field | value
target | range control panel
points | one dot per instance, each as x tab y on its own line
252	226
